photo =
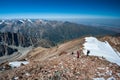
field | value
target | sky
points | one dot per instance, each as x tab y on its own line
59	8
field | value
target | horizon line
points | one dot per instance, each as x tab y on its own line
55	16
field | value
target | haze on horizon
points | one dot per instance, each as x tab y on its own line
59	9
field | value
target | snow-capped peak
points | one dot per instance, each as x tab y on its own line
102	49
29	20
21	21
42	21
1	21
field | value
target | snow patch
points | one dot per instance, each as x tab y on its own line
111	78
17	63
109	72
16	78
98	79
102	49
27	74
100	74
100	68
43	22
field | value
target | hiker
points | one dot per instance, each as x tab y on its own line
88	52
78	54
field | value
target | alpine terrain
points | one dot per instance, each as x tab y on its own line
37	49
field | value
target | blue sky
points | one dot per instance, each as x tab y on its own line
60	8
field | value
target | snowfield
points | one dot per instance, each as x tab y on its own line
17	63
102	49
111	78
98	79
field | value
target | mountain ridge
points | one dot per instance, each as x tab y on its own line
62	62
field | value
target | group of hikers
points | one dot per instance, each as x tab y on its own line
78	53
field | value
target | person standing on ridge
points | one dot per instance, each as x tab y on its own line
88	52
78	54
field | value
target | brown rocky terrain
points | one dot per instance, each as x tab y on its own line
114	41
62	63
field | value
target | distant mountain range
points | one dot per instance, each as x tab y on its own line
45	33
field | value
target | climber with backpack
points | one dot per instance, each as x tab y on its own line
88	52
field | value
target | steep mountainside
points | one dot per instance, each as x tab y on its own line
9	39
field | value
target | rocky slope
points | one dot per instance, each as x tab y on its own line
113	40
61	63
